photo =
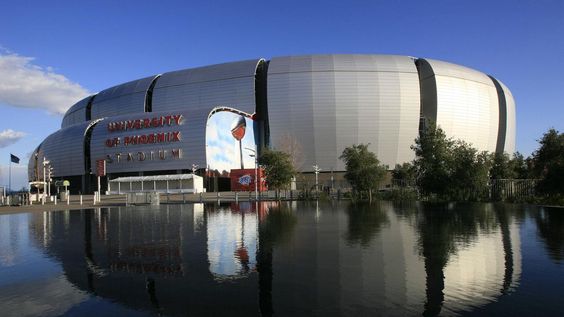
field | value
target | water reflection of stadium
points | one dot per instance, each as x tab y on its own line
263	258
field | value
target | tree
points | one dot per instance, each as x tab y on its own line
405	173
521	166
433	161
503	167
548	163
363	170
277	168
469	172
448	169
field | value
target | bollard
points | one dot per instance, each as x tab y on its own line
81	199
68	199
236	197
55	200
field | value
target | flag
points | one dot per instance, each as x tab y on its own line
14	159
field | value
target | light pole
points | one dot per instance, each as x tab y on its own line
45	163
256	172
50	173
316	169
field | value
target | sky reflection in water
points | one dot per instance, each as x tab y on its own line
284	259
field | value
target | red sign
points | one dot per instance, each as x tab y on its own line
101	167
244	180
238	128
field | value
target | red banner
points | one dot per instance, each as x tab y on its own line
101	167
244	180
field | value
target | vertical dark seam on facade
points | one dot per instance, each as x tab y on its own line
262	136
149	94
427	93
89	108
502	124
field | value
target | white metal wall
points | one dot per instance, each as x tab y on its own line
329	102
467	104
229	85
65	150
121	99
76	113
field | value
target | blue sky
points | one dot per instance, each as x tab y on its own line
56	51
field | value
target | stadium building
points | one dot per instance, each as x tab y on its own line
214	118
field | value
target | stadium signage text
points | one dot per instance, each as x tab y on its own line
138	124
143	156
159	137
145	123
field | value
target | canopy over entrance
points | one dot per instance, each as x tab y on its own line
176	183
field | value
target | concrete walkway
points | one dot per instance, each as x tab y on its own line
120	200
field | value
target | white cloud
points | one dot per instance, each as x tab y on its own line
9	137
24	84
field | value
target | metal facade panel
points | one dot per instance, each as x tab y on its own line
65	150
191	144
511	120
31	165
467	105
76	113
341	62
231	85
237	93
129	103
347	99
209	73
441	68
121	99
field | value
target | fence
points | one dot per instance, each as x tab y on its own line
497	189
514	189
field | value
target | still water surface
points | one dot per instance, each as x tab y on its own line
288	259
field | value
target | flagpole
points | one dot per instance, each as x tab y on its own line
10	177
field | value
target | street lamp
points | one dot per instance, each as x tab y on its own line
316	169
49	175
256	172
45	163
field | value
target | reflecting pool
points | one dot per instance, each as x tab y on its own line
284	259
